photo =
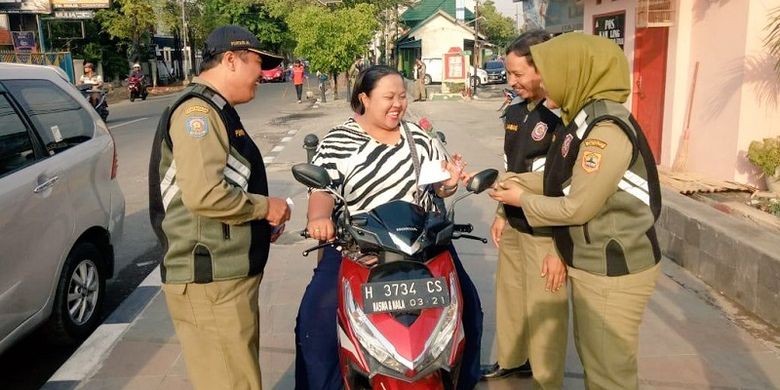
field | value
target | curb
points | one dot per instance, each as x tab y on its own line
90	355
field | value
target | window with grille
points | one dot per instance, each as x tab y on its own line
654	13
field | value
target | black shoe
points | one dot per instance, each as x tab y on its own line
494	371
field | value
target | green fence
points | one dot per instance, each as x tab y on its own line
62	59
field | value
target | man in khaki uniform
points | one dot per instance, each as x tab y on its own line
602	197
531	299
422	92
210	208
352	74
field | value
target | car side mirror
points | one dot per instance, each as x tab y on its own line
482	181
311	176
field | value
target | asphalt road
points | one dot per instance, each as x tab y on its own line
29	363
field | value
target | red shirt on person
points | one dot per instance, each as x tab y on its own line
297	72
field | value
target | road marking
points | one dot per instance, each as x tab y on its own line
277	149
286	139
268	160
90	354
128	122
292	132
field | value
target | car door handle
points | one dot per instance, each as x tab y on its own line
46	185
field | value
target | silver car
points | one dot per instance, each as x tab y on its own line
61	209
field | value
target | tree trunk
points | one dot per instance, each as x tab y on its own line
335	85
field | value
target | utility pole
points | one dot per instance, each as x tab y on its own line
184	57
476	36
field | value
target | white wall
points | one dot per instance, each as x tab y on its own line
612	6
679	73
439	35
760	102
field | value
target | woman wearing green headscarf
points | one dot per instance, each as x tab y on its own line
600	193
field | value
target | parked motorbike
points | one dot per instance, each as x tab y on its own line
400	303
136	88
509	95
101	103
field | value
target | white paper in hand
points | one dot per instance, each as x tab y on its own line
432	172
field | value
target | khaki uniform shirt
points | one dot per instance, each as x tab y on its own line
590	187
201	156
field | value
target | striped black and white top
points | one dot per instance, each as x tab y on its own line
369	173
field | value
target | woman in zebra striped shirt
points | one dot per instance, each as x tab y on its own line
370	162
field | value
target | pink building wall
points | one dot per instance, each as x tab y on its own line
737	97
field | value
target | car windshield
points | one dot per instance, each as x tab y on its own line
492	65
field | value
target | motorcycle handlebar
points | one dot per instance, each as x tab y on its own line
463	228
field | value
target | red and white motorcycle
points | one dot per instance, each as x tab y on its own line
400	303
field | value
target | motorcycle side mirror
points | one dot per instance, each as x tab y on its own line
478	183
311	176
482	181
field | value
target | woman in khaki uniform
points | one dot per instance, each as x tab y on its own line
600	193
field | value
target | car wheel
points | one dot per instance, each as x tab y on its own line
427	79
80	293
475	81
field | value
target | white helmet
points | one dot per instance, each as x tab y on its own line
137	66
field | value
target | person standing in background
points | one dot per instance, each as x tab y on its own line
298	76
354	69
422	93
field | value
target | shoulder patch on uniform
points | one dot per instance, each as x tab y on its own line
196	108
510	127
539	131
566	145
595	143
197	126
591	161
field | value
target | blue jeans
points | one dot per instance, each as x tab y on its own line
316	343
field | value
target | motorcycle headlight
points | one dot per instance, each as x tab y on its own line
503	72
370	338
443	333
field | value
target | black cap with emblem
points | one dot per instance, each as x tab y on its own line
235	38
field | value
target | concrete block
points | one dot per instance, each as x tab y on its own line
768	305
709	240
690	257
746	280
675	222
693	229
725	281
674	249
708	269
769	272
728	252
663	237
663	218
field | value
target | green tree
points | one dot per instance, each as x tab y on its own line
331	38
772	40
497	28
271	30
132	20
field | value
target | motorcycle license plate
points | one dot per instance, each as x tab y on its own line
405	295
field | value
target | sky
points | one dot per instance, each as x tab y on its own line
507	7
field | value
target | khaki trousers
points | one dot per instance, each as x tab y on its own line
422	92
531	323
218	327
607	314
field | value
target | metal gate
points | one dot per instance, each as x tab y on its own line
62	59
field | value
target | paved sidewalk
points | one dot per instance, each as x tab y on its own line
691	338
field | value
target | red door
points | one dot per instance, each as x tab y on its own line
649	82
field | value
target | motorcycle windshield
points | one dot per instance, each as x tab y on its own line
401	226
